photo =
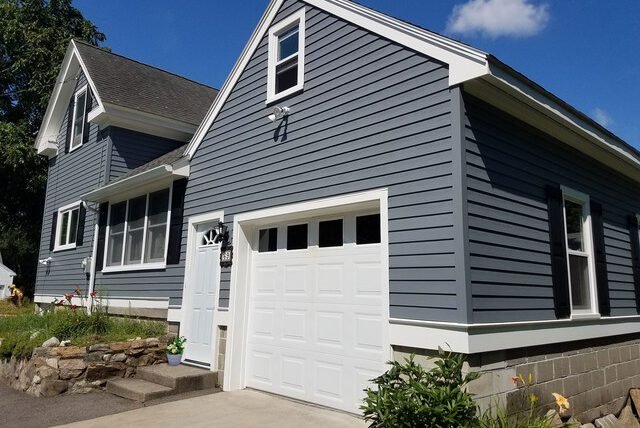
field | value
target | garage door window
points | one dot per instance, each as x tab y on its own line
268	240
330	233
297	237
368	229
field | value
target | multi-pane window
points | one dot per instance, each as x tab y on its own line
286	57
79	115
579	252
67	227
137	232
268	240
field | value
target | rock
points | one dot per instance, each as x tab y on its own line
50	343
589	425
135	352
129	372
52	362
70	352
120	346
608	421
627	419
94	357
72	364
46	372
554	419
119	358
36	379
573	423
99	347
103	371
70	374
138	343
152	341
65	343
106	357
634	393
51	388
84	387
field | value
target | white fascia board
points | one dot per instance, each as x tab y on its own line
464	62
123	117
518	97
135	183
46	140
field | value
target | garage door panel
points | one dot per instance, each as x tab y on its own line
317	322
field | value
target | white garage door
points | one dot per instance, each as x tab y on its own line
318	310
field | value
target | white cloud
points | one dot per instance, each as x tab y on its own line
494	18
602	117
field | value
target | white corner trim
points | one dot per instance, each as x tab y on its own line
275	31
174	314
464	62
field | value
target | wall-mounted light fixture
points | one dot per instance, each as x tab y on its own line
279	113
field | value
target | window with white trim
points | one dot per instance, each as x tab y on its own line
580	259
67	227
79	117
138	231
286	57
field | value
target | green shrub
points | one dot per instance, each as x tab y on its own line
407	395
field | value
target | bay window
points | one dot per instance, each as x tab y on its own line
137	232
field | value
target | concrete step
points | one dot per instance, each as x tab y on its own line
179	378
137	389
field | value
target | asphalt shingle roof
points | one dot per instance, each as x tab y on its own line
128	83
166	159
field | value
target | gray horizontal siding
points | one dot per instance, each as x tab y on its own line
70	175
131	149
372	115
508	166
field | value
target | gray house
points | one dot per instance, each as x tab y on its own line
373	189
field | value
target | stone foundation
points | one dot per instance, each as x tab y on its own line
595	375
78	369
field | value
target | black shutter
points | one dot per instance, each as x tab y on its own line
600	259
175	227
67	140
559	272
54	225
102	231
82	212
85	130
635	256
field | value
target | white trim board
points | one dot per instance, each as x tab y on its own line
120	302
464	61
243	225
487	337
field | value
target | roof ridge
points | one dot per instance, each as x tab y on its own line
82	42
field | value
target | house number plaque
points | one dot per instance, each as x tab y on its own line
226	256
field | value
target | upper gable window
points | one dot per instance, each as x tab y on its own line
79	118
286	57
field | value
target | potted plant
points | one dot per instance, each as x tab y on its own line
175	349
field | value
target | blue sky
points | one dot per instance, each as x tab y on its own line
585	51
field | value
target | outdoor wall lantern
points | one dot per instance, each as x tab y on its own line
226	250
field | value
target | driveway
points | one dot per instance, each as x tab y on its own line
236	409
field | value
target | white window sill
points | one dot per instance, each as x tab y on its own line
291	91
137	267
71	149
585	316
64	247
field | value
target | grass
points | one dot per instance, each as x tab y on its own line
8	309
22	333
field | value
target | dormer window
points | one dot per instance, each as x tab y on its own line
286	57
79	118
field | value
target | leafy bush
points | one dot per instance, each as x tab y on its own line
407	395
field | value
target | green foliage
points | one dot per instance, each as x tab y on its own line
34	35
175	346
498	418
407	395
22	333
8	308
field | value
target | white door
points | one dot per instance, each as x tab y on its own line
201	297
318	313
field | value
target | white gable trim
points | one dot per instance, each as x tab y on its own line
46	141
464	62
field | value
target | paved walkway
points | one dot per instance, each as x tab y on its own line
236	409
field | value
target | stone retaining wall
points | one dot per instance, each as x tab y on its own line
595	375
79	369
